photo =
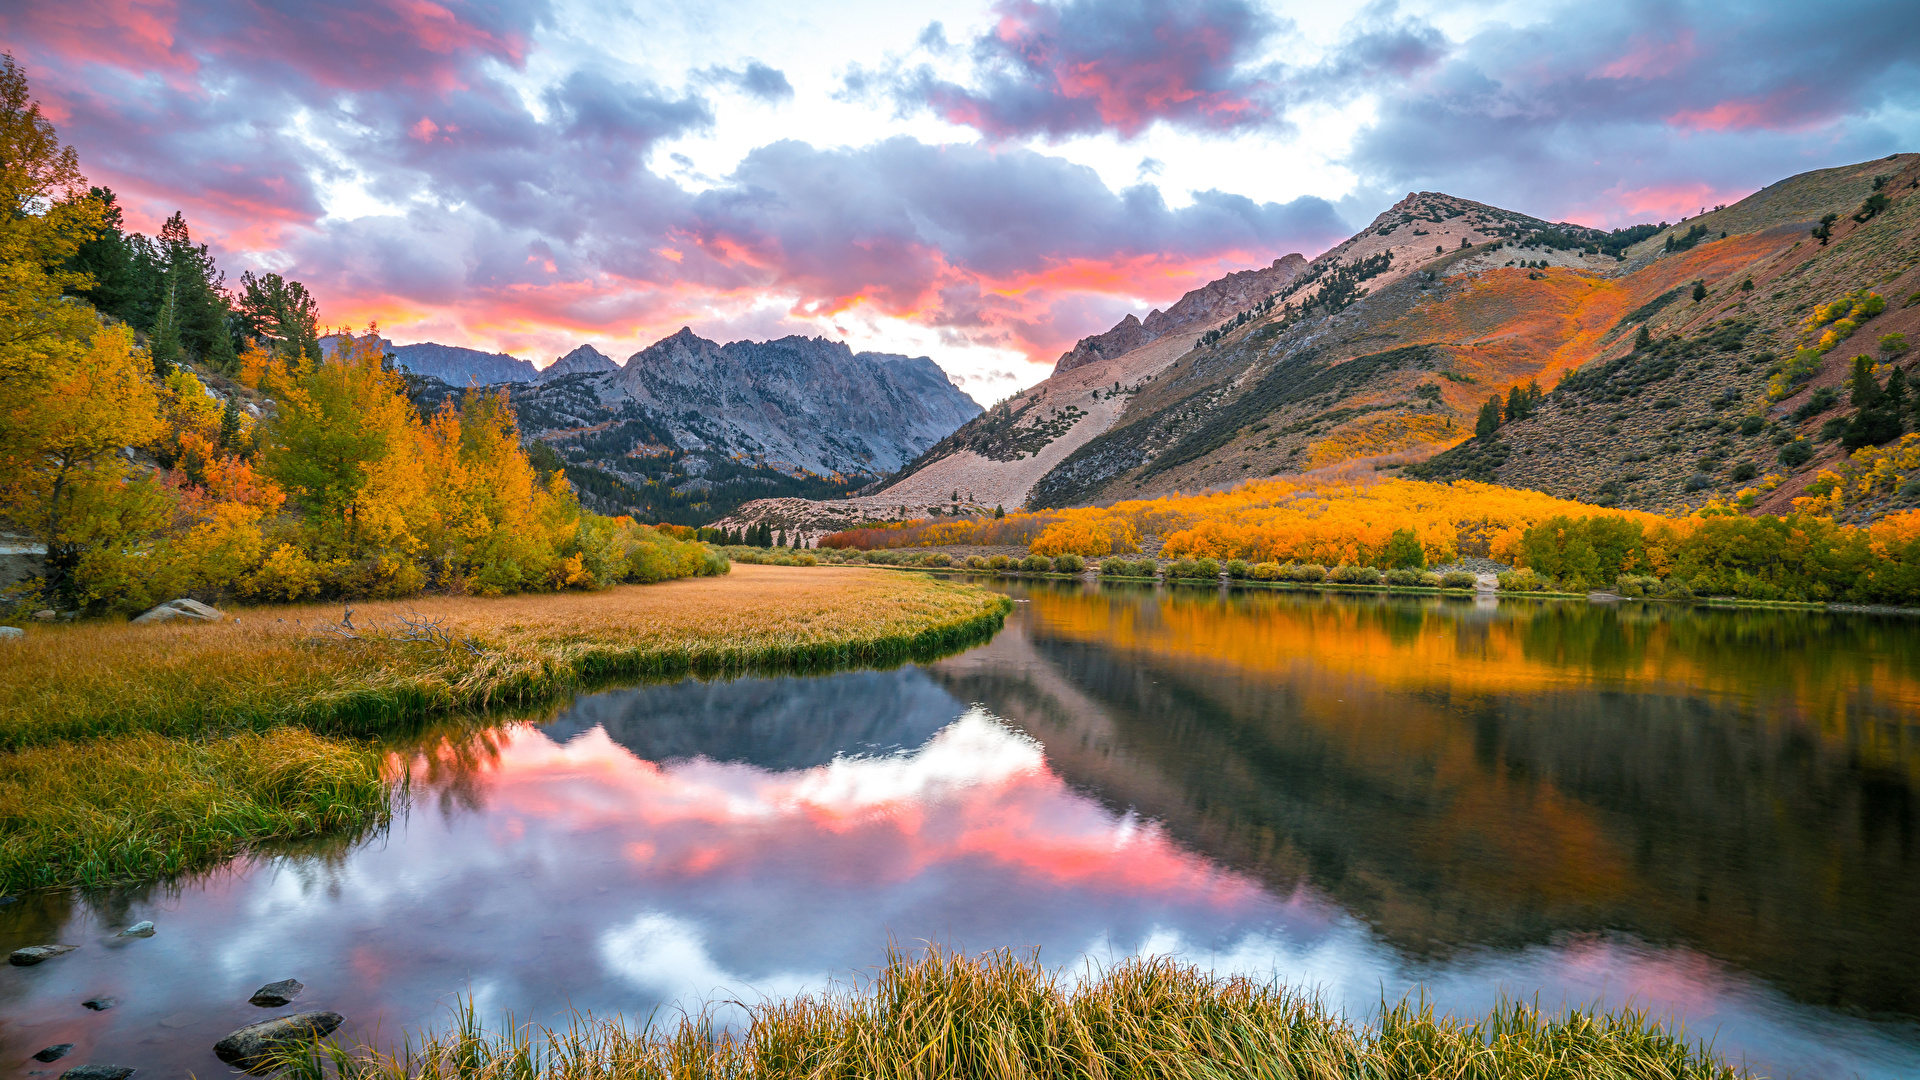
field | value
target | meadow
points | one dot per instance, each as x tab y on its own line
1000	1015
135	751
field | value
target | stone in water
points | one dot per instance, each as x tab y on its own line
101	1004
274	995
54	1052
139	929
97	1072
252	1046
34	954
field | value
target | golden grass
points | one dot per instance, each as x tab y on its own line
143	806
999	1016
270	666
144	751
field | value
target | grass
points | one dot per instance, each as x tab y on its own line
297	665
131	752
144	806
1001	1016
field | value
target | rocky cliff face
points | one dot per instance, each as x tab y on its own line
1199	308
585	360
796	403
688	429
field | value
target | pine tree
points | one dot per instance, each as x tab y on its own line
1643	339
1489	420
1699	291
230	423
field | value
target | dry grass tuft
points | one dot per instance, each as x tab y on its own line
1000	1016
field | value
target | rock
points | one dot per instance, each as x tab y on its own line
179	1020
274	995
139	929
98	1072
101	1003
34	954
182	608
54	1052
8	633
43	615
251	1045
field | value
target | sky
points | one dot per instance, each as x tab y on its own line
982	183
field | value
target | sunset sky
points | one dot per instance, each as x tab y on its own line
983	183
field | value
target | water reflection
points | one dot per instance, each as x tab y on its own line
1705	813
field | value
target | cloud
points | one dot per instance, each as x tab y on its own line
1592	106
1092	66
755	79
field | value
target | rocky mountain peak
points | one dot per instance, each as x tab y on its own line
584	360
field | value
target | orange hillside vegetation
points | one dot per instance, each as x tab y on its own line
1330	518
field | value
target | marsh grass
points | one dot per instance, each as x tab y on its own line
1003	1016
143	806
292	665
132	752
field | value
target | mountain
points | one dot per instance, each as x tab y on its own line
688	429
1384	349
452	364
585	360
1235	292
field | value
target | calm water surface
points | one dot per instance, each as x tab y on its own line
1708	814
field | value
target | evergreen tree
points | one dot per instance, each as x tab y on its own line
1489	420
117	288
1699	291
281	313
1643	339
230	424
1881	415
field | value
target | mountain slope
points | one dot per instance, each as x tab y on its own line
1333	373
1235	292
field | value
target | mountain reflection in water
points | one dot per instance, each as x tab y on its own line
1703	813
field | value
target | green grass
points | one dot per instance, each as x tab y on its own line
142	806
132	752
1000	1016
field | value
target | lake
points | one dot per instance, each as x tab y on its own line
1706	813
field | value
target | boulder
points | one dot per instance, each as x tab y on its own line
101	1003
143	928
252	1046
34	954
98	1072
43	615
182	608
274	995
54	1052
10	633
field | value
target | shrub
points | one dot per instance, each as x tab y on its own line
1354	575
1635	585
1402	577
976	562
1116	568
1307	572
1180	568
1429	579
1458	579
999	562
1699	480
1036	564
1893	343
1238	569
937	558
1404	551
1751	425
1069	563
1523	581
1796	453
1744	471
1266	571
1207	569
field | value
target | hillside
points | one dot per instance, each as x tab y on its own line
688	429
